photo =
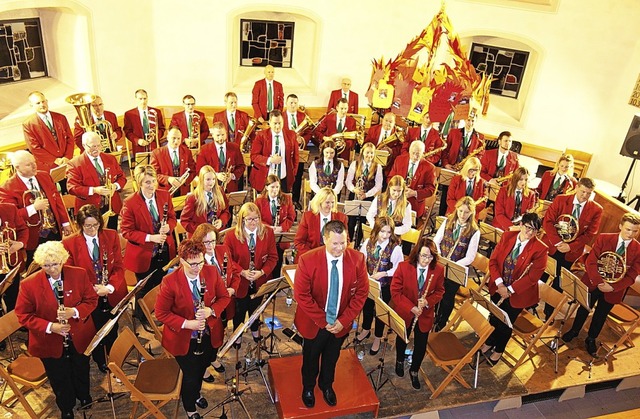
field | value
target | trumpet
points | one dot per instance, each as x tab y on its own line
458	166
46	220
194	135
245	143
227	179
181	180
104	281
109	185
7	236
61	307
501	179
398	135
199	306
421	301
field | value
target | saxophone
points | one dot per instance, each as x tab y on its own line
435	150
199	306
458	166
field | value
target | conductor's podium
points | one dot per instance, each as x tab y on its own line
353	389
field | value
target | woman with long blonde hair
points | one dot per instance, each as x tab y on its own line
467	183
559	180
393	202
206	204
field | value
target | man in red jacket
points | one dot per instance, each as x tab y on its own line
9	218
344	93
331	287
604	295
267	95
193	124
172	162
103	119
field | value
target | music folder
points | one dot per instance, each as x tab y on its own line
575	288
455	272
499	313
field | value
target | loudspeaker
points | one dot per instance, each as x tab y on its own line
631	145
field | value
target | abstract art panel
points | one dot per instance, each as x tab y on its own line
21	50
506	65
266	42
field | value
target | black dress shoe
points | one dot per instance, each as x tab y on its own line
257	338
569	336
202	403
103	368
210	379
67	415
195	416
364	338
400	369
237	344
86	402
329	396
415	382
219	369
592	348
492	362
308	398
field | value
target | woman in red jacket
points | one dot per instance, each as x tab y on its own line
206	204
417	286
513	200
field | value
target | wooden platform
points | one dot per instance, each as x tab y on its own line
352	387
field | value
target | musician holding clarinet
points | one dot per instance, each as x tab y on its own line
416	287
516	265
189	305
55	304
97	250
611	267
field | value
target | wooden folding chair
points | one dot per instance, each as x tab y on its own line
69	202
179	233
528	329
623	321
24	374
147	305
178	202
306	191
447	351
157	380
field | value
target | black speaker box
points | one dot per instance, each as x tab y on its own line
631	145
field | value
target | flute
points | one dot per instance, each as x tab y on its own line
422	300
61	307
198	349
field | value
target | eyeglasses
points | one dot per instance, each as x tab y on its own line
530	229
91	226
51	265
425	256
208	242
252	219
194	265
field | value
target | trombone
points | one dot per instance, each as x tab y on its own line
152	135
7	237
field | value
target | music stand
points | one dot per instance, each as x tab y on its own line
356	208
493	190
272	286
490	234
455	272
381	157
389	317
304	156
58	173
497	312
445	176
4	286
236	198
143	157
285	237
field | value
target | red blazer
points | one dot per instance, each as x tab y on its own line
259	98
526	288
505	208
405	293
82	175
37	306
489	163
285	118
608	242
329	126
136	223
233	276
108	116
9	215
423	181
11	193
109	241
287	211
308	235
241	120
458	189
175	305
190	219
336	95
209	155
133	128
432	142
162	162
546	182
43	145
180	120
266	257
261	151
454	139
312	284
588	223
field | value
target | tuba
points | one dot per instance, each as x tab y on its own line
339	139
245	142
361	120
82	103
7	236
611	267
567	227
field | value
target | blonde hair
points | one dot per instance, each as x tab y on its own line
247	208
322	195
143	170
199	192
373	169
471	163
569	159
51	251
471	222
401	205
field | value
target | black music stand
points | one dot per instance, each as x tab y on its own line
127	299
284	237
289	272
389	317
359	209
4	286
272	286
117	311
490	234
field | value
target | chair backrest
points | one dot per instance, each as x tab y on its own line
551	296
411	236
366	231
178	202
123	345
179	232
475	319
147	305
551	268
8	325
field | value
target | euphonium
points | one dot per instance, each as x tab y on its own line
46	220
104	129
474	153
612	267
7	236
339	139
245	143
181	180
567	227
306	123
398	135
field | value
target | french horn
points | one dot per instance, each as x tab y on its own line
567	227
611	267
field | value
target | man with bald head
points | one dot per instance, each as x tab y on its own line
47	134
267	95
344	93
100	117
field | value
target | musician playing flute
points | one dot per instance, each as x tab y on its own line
172	161
206	204
90	248
189	305
55	304
606	293
516	265
457	239
416	287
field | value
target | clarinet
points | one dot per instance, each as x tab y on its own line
104	280
225	263
203	287
276	222
165	216
422	297
252	265
60	297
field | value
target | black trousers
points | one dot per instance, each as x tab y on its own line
445	306
296	190
419	348
193	367
602	309
69	378
561	263
100	318
244	306
319	358
369	310
157	263
502	333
